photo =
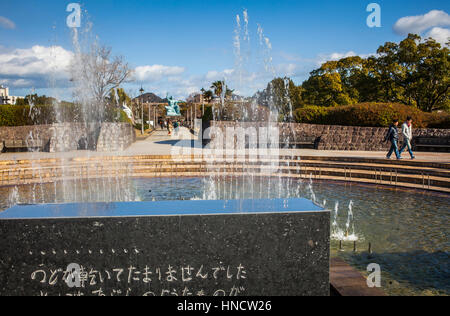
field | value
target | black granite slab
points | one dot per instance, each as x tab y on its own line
278	247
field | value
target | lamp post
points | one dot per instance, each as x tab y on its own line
142	110
202	101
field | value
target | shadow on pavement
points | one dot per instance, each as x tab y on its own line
181	143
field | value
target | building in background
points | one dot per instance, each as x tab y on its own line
5	98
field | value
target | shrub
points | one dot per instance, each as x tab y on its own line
370	115
438	120
11	115
21	115
139	126
312	113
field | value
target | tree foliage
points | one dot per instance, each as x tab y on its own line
218	87
118	97
21	115
39	100
208	95
283	95
414	72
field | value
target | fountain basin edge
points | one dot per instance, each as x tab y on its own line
224	248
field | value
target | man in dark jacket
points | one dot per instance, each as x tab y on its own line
392	136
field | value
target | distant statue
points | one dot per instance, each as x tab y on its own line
173	109
127	111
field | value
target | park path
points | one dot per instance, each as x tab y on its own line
159	143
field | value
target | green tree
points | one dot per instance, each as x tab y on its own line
208	96
414	72
118	96
217	87
326	90
37	100
282	94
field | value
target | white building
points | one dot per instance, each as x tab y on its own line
5	98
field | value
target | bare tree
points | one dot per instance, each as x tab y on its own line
95	74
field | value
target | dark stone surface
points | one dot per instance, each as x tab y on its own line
285	252
335	137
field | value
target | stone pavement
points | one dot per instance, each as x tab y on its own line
159	143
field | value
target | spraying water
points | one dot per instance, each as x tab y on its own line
344	234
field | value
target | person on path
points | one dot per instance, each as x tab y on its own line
169	127
407	137
176	127
392	136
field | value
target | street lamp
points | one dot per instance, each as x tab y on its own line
142	110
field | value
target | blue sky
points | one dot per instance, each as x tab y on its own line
191	41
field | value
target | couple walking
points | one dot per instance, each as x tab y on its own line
393	137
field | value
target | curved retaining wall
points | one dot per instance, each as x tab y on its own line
409	174
334	137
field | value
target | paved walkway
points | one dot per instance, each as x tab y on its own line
159	143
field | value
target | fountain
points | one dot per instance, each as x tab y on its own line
233	242
244	217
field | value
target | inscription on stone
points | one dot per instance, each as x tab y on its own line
192	248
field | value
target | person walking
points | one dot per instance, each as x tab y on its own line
392	136
169	127
407	137
175	127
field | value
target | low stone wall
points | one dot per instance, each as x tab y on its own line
115	137
74	136
27	133
68	137
366	138
334	137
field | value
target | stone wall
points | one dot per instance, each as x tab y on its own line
73	136
67	137
334	137
366	138
115	137
27	133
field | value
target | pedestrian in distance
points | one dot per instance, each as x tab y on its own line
407	137
392	137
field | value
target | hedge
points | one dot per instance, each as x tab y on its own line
438	120
370	115
21	115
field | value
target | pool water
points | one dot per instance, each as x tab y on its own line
408	230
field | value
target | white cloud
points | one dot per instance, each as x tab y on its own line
420	23
289	70
214	75
157	72
290	57
44	67
441	35
36	61
323	58
17	83
7	23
